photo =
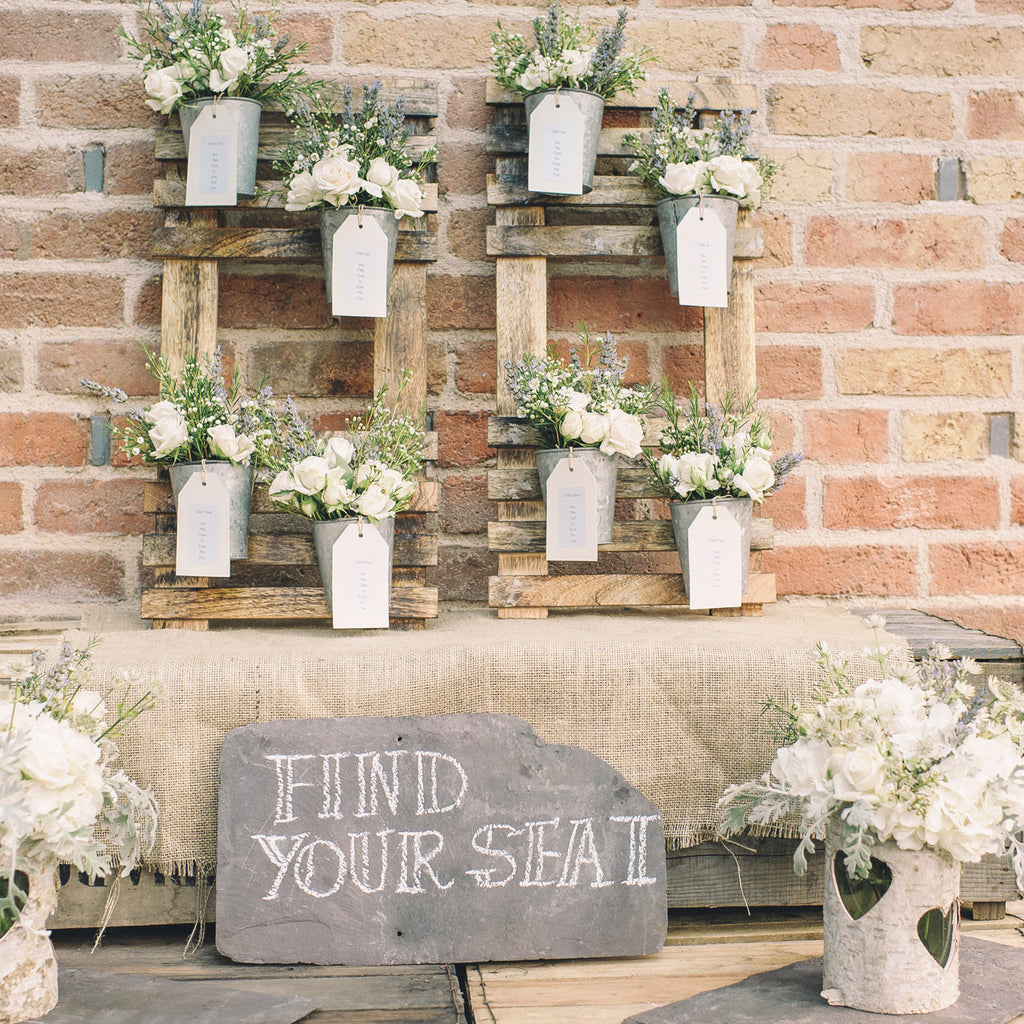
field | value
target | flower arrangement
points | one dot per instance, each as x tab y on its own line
188	53
368	472
197	417
679	159
60	797
925	757
713	451
357	157
583	404
567	56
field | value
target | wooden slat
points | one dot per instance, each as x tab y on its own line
169	193
613	190
609	591
598	240
710	95
400	339
233	603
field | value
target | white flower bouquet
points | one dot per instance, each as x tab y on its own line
711	451
354	157
680	159
188	53
927	758
583	404
367	473
61	799
197	417
566	55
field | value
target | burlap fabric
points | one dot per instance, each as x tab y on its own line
674	703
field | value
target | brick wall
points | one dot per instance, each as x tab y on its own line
890	302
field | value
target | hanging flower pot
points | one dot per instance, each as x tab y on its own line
564	128
605	471
670	214
246	114
28	968
356	262
237	481
685	512
327	531
891	940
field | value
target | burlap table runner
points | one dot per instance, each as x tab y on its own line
674	703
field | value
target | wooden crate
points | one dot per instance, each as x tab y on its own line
192	242
589	227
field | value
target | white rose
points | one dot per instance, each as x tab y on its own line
801	768
668	466
163	86
337	178
752	185
757	477
571	426
857	774
625	432
229	445
302	192
233	61
381	176
533	78
310	475
58	756
367	472
390	480
282	488
727	175
407	198
595	427
576	62
339	452
169	430
696	470
574	401
682	179
375	503
336	491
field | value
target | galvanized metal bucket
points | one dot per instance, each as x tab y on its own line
685	512
606	473
247	116
672	211
327	531
331	219
237	481
591	108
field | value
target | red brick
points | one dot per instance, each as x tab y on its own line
467	234
288	301
41	171
459	303
959	307
93	101
316	367
316	31
42	439
95	506
462	438
466	106
787	507
36	34
476	369
783	430
129	168
11	244
778	240
617	304
10	507
113	234
789	371
682	364
462	168
465	507
634	352
809	307
798	47
462	571
62	300
61	576
148	303
1011	240
893	503
885	5
890	177
10	101
837	570
944	243
1017	500
995	114
978	567
60	367
840	436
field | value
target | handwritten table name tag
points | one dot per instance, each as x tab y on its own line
359	268
556	148
203	546
571	511
700	259
212	159
716	577
360	579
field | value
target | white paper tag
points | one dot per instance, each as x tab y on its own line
703	276
359	268
360	580
571	509
203	546
716	574
212	158
556	147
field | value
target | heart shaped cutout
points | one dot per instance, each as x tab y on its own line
937	931
859	895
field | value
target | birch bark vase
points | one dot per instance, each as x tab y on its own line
28	968
901	954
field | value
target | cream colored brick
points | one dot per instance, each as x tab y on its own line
973	50
930	437
923	371
689	46
995	179
806	175
417	41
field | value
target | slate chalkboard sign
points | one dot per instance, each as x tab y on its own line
435	839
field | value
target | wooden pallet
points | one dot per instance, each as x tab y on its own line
522	243
192	242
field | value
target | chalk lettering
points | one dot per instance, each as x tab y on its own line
369	780
281	861
586	853
332	785
637	872
485	876
305	868
414	867
533	873
361	876
426	780
284	764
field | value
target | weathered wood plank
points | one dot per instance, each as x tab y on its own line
400	339
232	603
169	193
609	190
608	591
188	312
598	240
710	95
